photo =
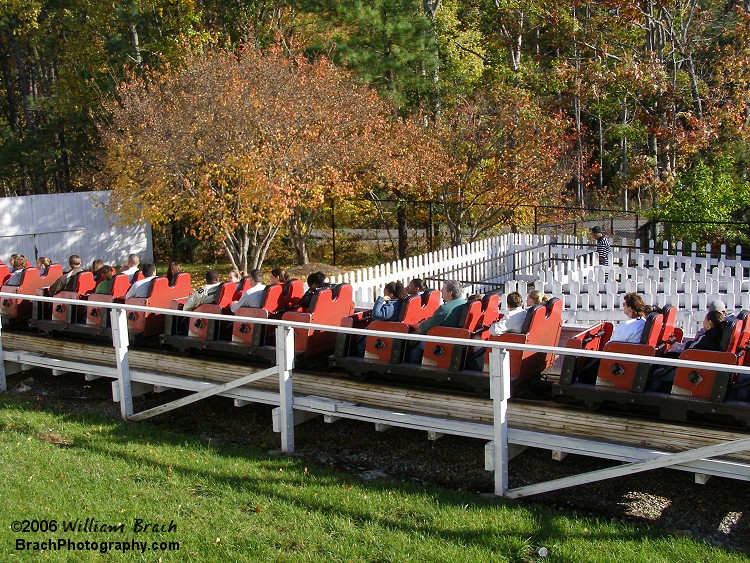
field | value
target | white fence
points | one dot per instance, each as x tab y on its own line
567	267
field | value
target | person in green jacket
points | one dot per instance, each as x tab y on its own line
448	314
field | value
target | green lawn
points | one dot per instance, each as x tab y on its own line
239	505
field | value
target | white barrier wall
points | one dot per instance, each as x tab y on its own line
566	267
58	225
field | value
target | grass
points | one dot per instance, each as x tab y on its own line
240	505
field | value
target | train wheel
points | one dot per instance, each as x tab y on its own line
592	406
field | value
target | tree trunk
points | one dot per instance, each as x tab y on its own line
299	240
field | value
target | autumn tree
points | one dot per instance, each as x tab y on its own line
238	144
505	150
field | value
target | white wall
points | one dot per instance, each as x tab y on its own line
63	224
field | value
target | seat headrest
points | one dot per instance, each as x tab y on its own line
426	294
652	328
530	314
728	336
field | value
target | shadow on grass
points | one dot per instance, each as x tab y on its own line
548	525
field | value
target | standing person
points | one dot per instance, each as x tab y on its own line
603	248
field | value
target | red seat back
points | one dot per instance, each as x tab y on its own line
705	383
542	326
4	273
452	356
592	339
490	309
668	335
242	286
255	334
225	294
328	306
632	375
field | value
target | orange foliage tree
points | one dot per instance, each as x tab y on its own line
504	150
238	144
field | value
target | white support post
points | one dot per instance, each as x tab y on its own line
120	342
284	361
3	380
500	393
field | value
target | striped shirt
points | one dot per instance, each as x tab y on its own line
603	249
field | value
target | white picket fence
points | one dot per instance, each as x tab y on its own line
566	267
481	266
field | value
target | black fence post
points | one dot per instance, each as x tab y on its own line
333	232
429	232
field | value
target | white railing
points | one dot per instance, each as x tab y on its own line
697	460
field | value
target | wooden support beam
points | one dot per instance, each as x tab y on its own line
210	392
58	372
330	418
701	478
632	468
489	454
11	368
299	417
433	436
558	455
137	389
91	376
382	427
242	403
284	363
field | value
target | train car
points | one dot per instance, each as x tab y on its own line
456	365
18	311
691	392
246	339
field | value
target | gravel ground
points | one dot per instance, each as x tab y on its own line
717	512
